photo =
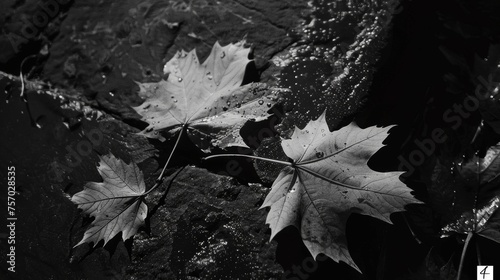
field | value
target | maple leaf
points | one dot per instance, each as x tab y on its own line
476	181
116	203
329	180
483	218
207	99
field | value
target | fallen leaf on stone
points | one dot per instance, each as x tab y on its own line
207	99
116	203
328	181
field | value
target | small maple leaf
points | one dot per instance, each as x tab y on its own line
208	99
116	203
328	180
483	218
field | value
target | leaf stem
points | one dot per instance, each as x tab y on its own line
159	180
467	240
249	156
21	77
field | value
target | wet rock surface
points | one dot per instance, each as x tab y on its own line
208	227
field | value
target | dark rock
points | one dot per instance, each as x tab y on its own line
27	26
196	233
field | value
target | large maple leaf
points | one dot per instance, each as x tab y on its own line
116	203
207	98
329	180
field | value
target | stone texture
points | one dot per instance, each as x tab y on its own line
207	227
